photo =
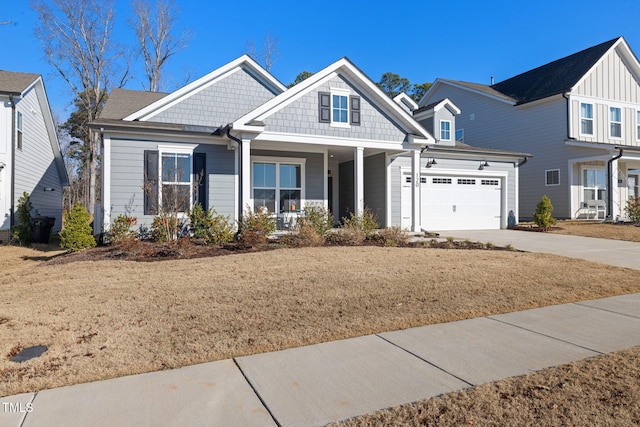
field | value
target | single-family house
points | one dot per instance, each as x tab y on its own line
238	139
30	157
580	118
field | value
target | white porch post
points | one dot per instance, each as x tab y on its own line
415	192
245	191
359	180
615	190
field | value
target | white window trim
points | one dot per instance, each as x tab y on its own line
582	183
637	125
612	122
19	131
176	149
278	161
546	182
441	122
341	92
586	118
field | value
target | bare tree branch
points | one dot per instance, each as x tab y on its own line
76	40
270	52
154	25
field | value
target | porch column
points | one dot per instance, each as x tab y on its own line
358	170
245	189
615	191
415	191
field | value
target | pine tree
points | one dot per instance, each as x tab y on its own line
77	234
542	217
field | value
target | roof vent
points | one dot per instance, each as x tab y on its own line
492	81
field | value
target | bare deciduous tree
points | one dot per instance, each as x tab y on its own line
270	52
154	25
76	39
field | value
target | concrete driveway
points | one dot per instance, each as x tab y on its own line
613	252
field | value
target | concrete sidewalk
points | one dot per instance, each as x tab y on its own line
613	252
318	384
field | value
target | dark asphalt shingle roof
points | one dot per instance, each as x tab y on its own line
553	78
13	82
123	102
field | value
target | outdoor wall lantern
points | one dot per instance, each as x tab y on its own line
483	164
431	162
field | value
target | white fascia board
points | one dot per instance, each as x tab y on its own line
329	141
403	97
204	82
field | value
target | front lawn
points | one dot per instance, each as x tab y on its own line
104	319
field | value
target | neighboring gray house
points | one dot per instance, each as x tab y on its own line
237	139
579	116
30	158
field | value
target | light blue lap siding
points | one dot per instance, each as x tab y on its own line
375	186
301	117
127	178
219	104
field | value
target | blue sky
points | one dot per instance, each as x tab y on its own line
421	40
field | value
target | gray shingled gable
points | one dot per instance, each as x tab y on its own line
123	102
13	82
553	78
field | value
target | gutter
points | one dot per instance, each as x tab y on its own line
239	142
12	214
609	186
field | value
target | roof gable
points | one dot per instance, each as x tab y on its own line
554	78
344	68
242	63
16	83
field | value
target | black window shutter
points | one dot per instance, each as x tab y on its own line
354	111
151	187
200	174
324	107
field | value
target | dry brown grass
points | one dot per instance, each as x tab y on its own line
604	390
613	231
112	318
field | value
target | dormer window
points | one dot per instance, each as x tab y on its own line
445	130
339	108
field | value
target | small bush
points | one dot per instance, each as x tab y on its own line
346	236
365	222
121	229
22	231
255	227
316	217
77	233
542	218
391	236
167	228
633	209
211	226
305	236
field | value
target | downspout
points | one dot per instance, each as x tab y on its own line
566	96
239	141
609	186
13	162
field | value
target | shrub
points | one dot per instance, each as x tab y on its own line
165	228
77	234
391	236
316	217
121	229
304	236
210	226
542	217
255	227
347	236
633	209
22	231
365	222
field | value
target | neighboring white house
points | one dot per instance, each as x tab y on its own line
580	118
237	138
30	158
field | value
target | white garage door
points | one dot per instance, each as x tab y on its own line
455	202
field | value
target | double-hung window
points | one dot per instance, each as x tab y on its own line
445	130
176	182
340	104
586	119
615	122
339	108
277	185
